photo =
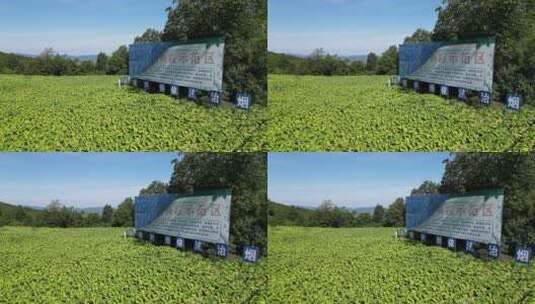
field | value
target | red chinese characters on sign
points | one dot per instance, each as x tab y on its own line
188	57
477	57
489	210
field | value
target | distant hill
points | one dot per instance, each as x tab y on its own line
92	58
361	58
282	215
91	210
360	210
11	214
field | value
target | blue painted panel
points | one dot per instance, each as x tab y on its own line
421	207
147	209
143	55
414	55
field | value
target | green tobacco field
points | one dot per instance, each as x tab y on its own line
361	113
367	265
99	266
91	113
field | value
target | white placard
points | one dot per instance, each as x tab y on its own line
463	65
193	65
475	217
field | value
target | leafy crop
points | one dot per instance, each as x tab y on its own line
90	113
361	113
100	266
326	265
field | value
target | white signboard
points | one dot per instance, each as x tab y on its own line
466	65
201	217
192	65
476	217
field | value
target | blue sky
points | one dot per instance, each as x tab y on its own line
79	179
349	179
346	27
76	27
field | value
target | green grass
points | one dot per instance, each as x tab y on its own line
324	265
99	266
308	113
90	113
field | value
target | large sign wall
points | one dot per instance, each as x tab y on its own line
203	216
475	216
468	65
196	64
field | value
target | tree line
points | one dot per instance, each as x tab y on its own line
56	214
320	62
51	63
330	215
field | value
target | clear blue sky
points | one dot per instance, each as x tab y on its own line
349	179
79	179
76	27
346	27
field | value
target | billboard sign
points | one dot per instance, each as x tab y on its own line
463	64
195	64
473	216
202	217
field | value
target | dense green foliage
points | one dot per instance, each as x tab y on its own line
150	35
245	174
44	65
91	113
156	187
56	214
420	35
336	217
363	114
322	265
51	63
19	215
512	22
322	63
100	266
243	24
515	173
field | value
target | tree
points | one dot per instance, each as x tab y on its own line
243	25
327	205
244	174
156	187
395	214
107	215
102	63
118	63
124	215
378	214
87	67
358	67
363	220
47	53
420	35
388	63
511	23
371	62
150	35
427	187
